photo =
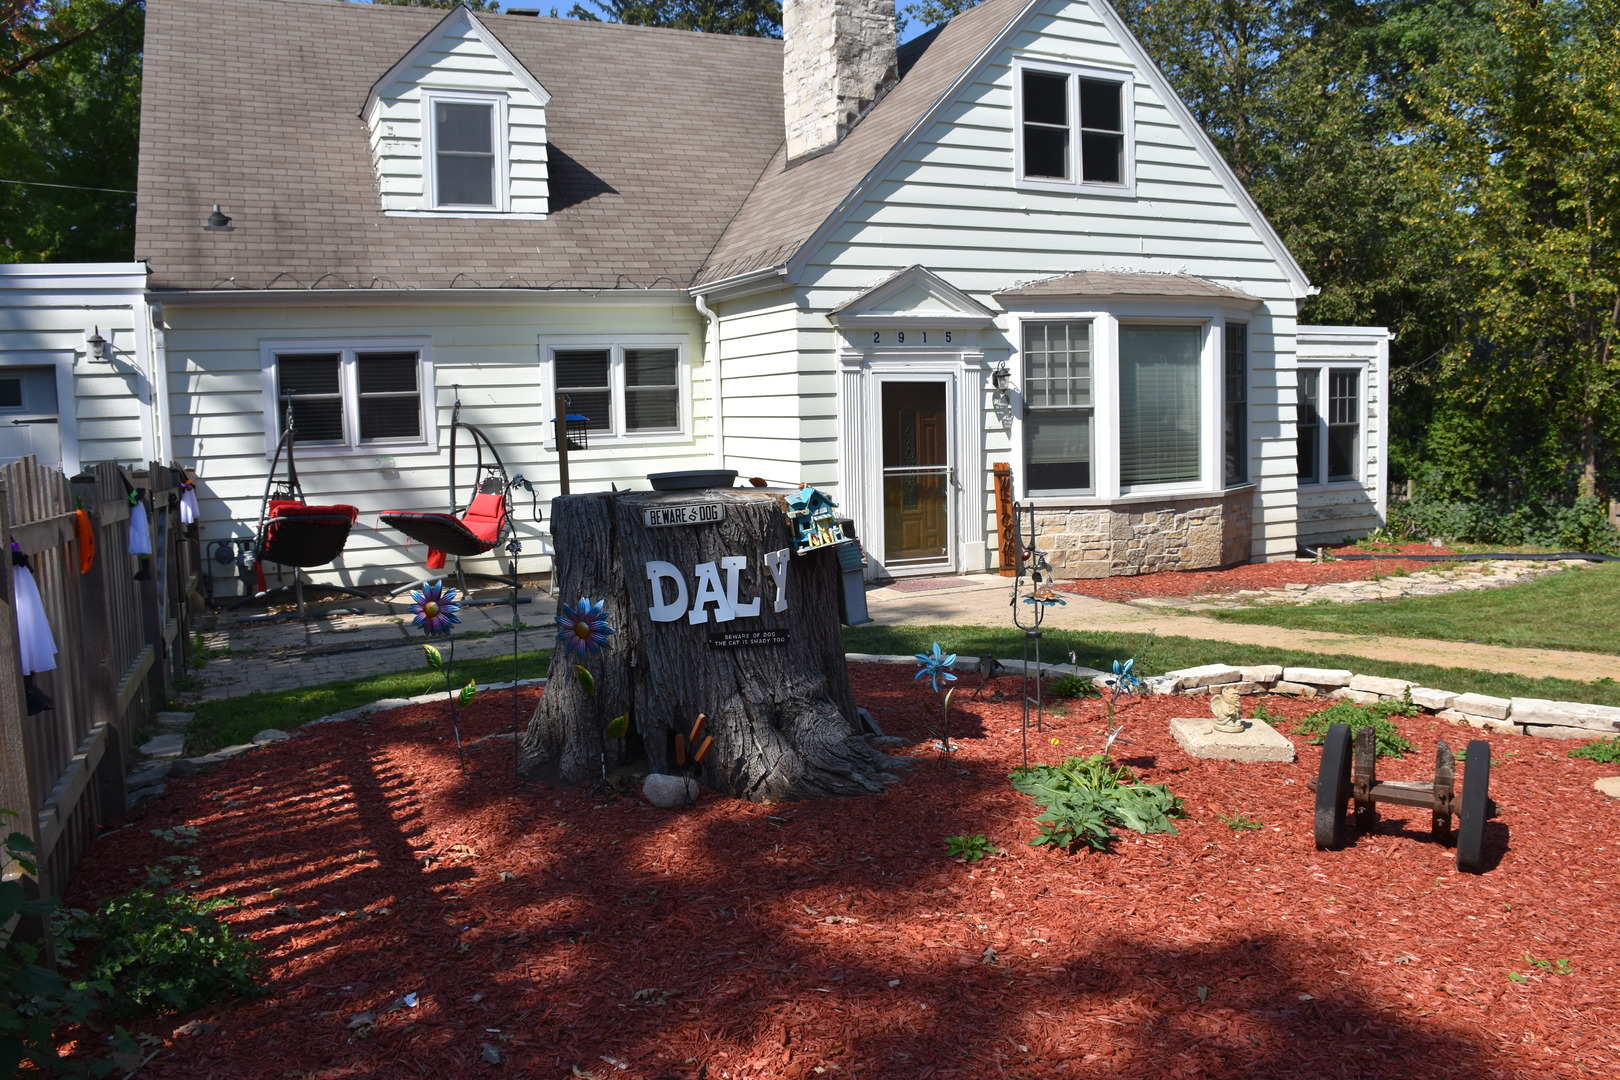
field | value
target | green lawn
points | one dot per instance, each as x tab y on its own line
1156	655
226	723
1571	609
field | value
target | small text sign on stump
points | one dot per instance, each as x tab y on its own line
717	617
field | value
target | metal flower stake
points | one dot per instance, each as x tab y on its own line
434	610
1032	590
583	631
936	668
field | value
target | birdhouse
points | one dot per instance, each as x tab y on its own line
815	525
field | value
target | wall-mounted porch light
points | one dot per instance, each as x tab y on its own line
218	221
97	345
1001	380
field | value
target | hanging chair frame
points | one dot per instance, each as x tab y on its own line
490	477
290	491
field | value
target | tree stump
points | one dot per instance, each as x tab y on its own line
718	618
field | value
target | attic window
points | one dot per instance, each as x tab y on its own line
1073	129
465	159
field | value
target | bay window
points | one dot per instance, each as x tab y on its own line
1057	406
1159	405
1235	412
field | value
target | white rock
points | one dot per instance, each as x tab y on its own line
1294	689
1207	675
1160	684
1258	741
148	775
270	735
1604	718
1433	700
165	746
1484	723
1374	684
1262	673
667	791
1554	731
1608	785
1318	676
1495	708
1360	697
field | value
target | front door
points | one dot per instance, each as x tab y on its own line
916	476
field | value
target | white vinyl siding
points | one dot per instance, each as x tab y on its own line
952	203
487	350
458	66
105	410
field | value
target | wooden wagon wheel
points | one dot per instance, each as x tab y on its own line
1476	807
1333	788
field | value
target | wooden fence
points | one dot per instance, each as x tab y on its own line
123	635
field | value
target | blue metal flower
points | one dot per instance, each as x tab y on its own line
434	607
935	666
1046	595
1124	679
585	627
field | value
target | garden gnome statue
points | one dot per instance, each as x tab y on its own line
1228	710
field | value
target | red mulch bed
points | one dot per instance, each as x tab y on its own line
578	930
1258	575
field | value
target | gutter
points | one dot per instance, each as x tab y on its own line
711	359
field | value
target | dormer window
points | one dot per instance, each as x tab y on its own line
1073	129
464	158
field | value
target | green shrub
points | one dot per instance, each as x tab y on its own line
1239	822
34	1000
1084	799
970	848
1581	526
1391	743
160	952
1073	686
1604	750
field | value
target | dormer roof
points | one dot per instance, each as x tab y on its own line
461	22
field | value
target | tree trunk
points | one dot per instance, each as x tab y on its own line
771	679
1589	454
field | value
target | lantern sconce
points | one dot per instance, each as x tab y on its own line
1001	381
97	345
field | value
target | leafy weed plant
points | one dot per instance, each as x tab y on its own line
1069	687
1239	822
1084	799
969	848
1391	743
1604	750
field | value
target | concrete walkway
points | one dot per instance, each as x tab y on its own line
244	657
984	601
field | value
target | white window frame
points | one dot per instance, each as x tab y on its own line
1074	72
349	387
1023	408
1105	397
1324	370
501	142
615	344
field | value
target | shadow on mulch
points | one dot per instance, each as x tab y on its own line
570	930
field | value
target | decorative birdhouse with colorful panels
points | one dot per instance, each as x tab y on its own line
815	525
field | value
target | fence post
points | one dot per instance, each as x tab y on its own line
97	653
16	790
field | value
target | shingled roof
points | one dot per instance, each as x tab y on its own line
1106	283
787	205
656	137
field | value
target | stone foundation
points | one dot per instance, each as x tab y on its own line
1125	538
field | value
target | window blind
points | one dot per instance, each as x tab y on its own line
1159	428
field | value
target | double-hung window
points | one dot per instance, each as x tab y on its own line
1236	404
464	160
1057	406
348	396
1074	128
623	389
1329	424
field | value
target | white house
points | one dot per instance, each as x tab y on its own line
871	269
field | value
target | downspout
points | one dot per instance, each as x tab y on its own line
158	376
711	359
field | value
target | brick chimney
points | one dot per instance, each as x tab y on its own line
839	58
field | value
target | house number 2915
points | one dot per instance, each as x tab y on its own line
914	337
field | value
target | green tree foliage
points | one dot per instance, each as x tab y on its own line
69	116
1516	163
749	18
